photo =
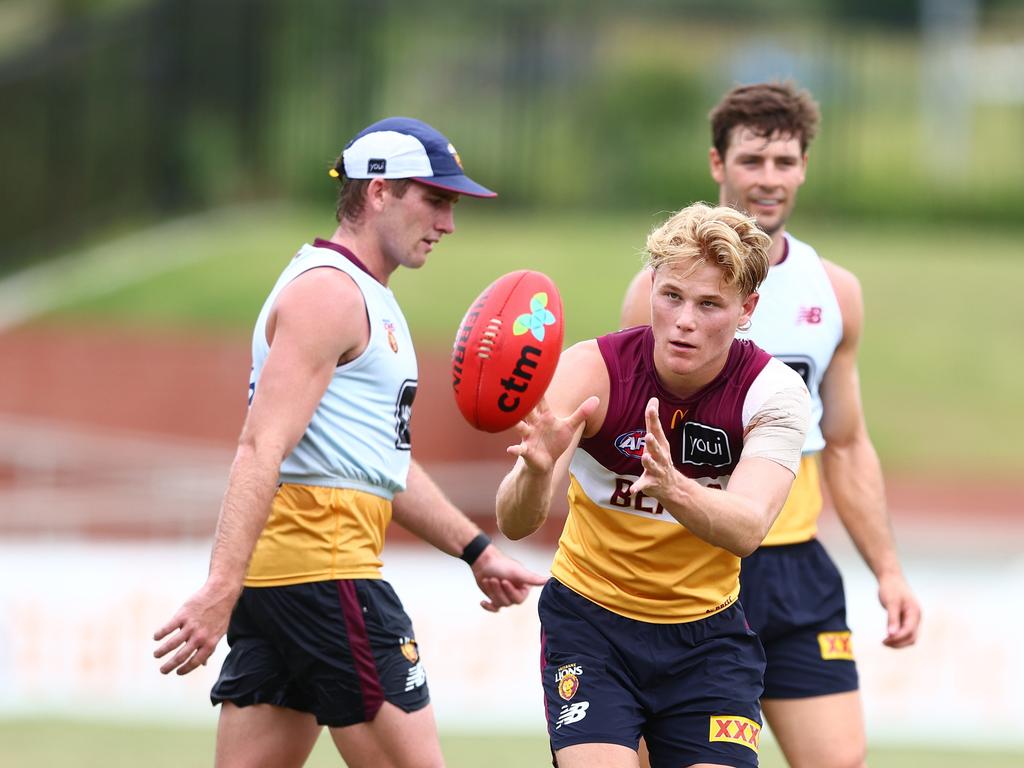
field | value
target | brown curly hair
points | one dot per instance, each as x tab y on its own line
766	109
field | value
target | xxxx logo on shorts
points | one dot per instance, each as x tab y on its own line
735	730
835	645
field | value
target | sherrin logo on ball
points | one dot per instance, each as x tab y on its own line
506	349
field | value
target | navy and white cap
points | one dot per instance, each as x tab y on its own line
405	148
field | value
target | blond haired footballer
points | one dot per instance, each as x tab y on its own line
681	443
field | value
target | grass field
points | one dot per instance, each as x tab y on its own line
938	368
32	744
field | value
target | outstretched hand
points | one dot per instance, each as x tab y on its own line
505	581
544	437
195	630
659	473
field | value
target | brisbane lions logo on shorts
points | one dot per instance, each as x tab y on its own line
409	650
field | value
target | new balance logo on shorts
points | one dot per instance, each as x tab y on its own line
417	676
735	730
572	713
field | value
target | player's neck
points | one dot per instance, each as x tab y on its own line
779	248
366	248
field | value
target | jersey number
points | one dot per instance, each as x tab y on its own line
403	414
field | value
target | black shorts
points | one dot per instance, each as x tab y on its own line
794	600
691	690
336	649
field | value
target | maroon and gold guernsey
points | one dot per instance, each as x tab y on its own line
623	551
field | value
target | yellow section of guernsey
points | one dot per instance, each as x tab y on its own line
640	566
798	520
316	533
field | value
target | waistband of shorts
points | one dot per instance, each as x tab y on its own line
325	481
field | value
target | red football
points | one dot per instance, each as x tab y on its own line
506	349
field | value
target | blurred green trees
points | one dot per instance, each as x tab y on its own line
139	109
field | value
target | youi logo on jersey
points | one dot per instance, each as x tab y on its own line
705	446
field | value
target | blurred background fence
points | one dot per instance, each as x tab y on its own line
127	110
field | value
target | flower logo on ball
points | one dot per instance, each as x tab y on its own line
534	322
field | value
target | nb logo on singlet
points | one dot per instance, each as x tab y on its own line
572	713
810	315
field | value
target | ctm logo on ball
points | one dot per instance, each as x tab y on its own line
522	373
535	321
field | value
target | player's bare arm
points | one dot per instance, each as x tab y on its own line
736	519
636	306
423	509
572	406
852	470
312	329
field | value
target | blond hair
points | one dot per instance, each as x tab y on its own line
724	237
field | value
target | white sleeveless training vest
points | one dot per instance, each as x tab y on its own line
797	320
359	435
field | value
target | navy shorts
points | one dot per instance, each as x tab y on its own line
336	649
793	597
691	689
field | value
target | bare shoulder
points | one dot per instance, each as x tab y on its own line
323	305
636	305
844	283
581	373
318	289
642	280
847	289
582	367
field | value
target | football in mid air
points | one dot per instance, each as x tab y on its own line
506	349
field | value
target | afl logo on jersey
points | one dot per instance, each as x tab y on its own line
631	443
